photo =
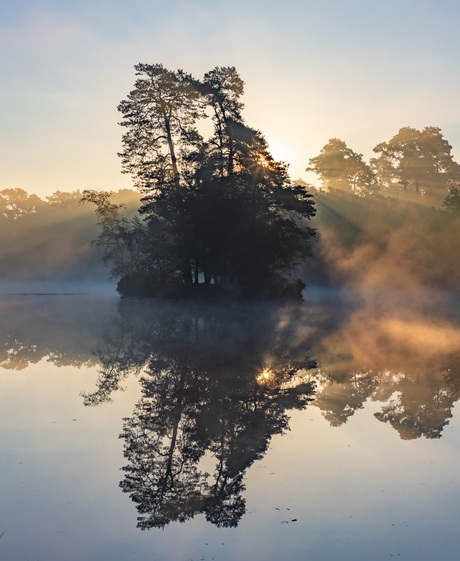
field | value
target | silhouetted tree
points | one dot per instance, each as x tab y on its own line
142	254
339	167
159	115
223	88
420	160
451	202
220	212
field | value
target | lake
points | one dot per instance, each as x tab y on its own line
143	430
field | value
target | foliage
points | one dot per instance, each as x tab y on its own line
451	202
120	238
339	167
220	213
417	160
17	202
159	115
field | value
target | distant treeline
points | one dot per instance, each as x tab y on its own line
417	162
220	217
380	242
371	241
50	238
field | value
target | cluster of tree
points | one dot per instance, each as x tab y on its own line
216	384
412	161
383	242
17	202
339	167
417	403
49	238
220	214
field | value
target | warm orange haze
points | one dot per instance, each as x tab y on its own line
391	222
223	409
229	280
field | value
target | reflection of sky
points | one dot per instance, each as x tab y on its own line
59	464
356	492
313	70
353	492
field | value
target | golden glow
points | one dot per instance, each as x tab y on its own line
265	377
279	150
262	161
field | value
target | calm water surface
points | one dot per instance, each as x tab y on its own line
135	430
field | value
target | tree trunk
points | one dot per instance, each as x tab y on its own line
172	152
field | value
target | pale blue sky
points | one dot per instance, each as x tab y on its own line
358	70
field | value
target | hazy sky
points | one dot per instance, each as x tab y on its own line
314	69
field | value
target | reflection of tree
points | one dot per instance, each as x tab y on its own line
421	406
341	394
404	356
203	403
15	355
361	360
418	402
119	355
59	329
162	475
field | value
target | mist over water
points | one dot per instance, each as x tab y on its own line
382	337
387	244
238	397
49	240
241	429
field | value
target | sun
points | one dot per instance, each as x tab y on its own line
263	161
265	377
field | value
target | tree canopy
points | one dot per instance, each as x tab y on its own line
418	160
220	213
451	202
340	167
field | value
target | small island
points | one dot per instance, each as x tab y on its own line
219	216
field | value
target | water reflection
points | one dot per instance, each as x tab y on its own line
216	386
401	349
61	329
219	382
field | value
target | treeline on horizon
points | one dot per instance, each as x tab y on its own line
219	216
50	238
373	240
413	163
